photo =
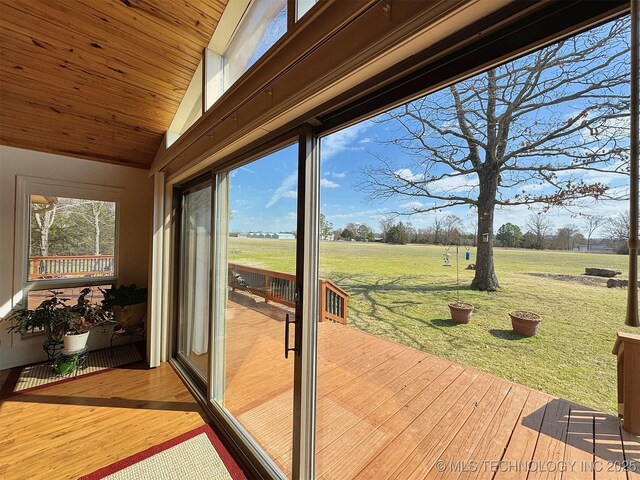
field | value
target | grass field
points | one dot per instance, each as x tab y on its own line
401	293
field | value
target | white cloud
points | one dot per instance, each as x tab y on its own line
408	175
338	174
343	140
285	190
617	127
453	184
328	183
415	205
378	212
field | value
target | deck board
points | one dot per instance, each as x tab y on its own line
497	435
422	420
579	444
524	439
463	436
631	444
609	451
367	434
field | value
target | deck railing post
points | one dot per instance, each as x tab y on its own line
345	299
323	299
267	288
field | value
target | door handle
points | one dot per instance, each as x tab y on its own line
287	349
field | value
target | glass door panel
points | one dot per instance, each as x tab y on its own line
260	219
193	328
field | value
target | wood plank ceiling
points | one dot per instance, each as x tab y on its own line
98	79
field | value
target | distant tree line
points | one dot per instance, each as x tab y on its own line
538	233
591	230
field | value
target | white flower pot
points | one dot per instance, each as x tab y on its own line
75	343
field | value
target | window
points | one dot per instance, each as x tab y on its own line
65	239
303	7
36	297
404	233
70	238
262	26
244	34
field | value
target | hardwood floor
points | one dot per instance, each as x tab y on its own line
73	428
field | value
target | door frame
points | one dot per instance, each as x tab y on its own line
301	442
201	181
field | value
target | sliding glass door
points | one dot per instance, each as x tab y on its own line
195	275
255	301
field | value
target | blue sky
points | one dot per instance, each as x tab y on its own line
263	193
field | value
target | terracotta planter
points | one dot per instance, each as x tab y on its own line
525	324
74	343
461	312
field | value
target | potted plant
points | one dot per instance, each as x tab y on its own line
86	316
461	312
61	322
76	336
53	315
128	303
524	323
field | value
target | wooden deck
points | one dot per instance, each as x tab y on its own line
389	411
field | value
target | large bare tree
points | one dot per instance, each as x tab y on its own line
531	131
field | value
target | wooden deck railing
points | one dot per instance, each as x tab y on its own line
280	287
70	266
333	302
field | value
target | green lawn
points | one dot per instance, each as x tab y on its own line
401	293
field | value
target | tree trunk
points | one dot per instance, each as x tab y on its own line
96	226
485	278
44	242
45	221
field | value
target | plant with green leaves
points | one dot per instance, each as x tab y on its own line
127	303
123	295
54	315
92	315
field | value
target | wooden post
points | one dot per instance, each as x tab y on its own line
267	286
323	299
345	300
627	349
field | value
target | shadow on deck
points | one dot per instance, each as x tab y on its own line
390	411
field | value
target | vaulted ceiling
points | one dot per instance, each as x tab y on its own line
98	79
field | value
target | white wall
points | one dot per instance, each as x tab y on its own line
134	232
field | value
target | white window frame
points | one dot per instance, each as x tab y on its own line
27	186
